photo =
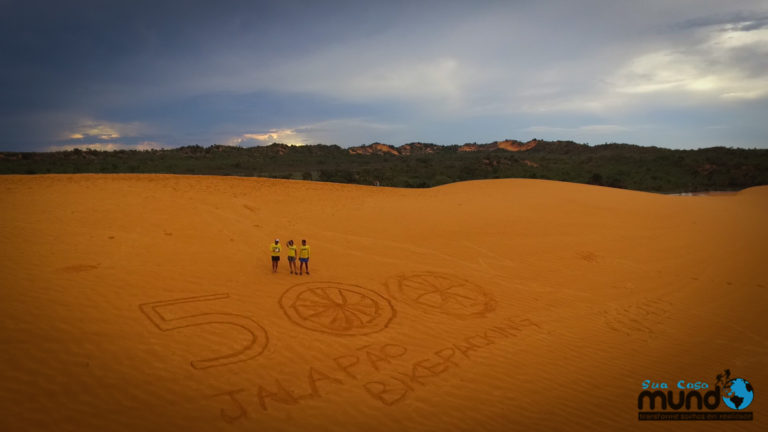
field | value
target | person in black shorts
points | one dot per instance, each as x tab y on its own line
275	249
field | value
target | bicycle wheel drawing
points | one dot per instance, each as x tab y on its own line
442	293
337	308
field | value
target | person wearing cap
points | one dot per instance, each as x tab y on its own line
275	248
292	257
304	257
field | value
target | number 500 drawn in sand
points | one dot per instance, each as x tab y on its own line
254	348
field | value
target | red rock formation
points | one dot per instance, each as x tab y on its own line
375	148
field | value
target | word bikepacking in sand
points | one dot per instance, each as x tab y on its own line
389	385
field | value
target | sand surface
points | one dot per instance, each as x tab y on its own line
147	302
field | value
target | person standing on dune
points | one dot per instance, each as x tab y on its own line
304	257
292	257
275	248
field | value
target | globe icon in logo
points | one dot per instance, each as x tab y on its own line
738	393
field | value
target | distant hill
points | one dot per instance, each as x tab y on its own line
422	148
418	164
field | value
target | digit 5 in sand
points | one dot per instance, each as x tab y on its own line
254	348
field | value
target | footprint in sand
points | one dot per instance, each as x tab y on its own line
589	256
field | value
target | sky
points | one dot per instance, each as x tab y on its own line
161	74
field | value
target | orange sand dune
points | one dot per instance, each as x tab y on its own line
147	302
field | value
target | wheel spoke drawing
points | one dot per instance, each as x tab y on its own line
336	308
443	293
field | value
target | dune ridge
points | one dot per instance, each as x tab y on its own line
146	302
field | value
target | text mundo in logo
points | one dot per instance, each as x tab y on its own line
727	399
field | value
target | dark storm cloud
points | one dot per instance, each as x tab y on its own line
159	62
348	72
56	50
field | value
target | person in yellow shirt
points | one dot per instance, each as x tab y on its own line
304	257
275	248
292	257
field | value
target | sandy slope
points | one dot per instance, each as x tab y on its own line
490	305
